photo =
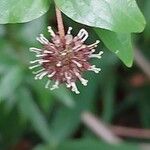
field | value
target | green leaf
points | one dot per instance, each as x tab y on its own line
32	112
14	11
64	96
42	96
10	82
114	15
9	135
91	144
120	44
109	98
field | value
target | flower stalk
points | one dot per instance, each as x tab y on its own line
61	29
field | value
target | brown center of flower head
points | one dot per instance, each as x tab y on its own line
64	60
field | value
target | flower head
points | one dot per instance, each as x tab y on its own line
64	60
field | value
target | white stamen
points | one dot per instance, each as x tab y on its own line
36	72
74	88
83	81
47	52
66	76
51	75
93	68
32	67
52	46
80	48
83	35
40	61
69	30
77	63
41	55
44	39
93	50
94	44
35	61
44	61
40	75
76	47
40	40
96	55
68	80
47	84
90	52
68	39
59	64
63	54
55	86
68	85
51	31
35	50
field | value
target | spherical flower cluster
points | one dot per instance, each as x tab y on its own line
64	60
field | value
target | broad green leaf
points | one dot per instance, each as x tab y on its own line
109	98
10	82
44	147
31	111
14	11
64	96
120	44
114	15
91	144
43	97
11	128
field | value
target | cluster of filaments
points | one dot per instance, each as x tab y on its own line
64	60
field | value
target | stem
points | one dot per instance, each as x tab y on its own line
110	133
60	24
131	132
99	128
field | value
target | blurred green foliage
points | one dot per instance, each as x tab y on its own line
40	119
